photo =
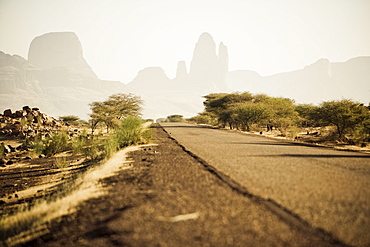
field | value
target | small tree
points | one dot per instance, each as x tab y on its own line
249	113
345	115
175	118
203	118
118	106
70	119
307	115
282	113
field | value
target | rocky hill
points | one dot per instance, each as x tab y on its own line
55	77
27	123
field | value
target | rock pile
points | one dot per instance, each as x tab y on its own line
27	122
24	124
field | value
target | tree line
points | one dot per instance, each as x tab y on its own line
244	111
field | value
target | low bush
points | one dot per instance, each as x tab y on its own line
2	150
57	143
130	131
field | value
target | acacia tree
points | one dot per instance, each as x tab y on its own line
220	105
249	113
344	114
283	113
307	115
117	106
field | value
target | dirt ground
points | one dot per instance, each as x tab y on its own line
168	198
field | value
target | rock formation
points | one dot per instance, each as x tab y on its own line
182	72
223	63
151	79
27	123
55	50
56	78
207	70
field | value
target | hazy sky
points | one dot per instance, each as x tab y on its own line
121	37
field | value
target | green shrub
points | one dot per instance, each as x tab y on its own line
129	132
92	150
111	146
2	150
38	146
56	144
79	142
61	162
24	121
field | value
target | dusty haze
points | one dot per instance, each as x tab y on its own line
122	37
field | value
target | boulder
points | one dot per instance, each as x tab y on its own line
8	113
26	108
20	114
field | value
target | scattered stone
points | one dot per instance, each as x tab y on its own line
26	108
27	158
8	113
21	148
12	149
28	122
7	149
2	202
16	195
42	156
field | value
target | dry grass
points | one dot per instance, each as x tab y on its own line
30	223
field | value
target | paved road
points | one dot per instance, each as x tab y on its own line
326	188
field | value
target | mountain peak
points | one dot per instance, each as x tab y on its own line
205	37
58	49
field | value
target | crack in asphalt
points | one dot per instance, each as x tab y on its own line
283	213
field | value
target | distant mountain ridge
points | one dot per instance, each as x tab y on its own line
320	81
57	79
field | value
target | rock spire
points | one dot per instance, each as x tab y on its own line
207	69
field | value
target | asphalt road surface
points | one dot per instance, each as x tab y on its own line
319	189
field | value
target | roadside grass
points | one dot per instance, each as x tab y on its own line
130	131
61	162
2	150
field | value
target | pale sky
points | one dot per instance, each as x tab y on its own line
121	37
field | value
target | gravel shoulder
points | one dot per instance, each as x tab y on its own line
168	198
